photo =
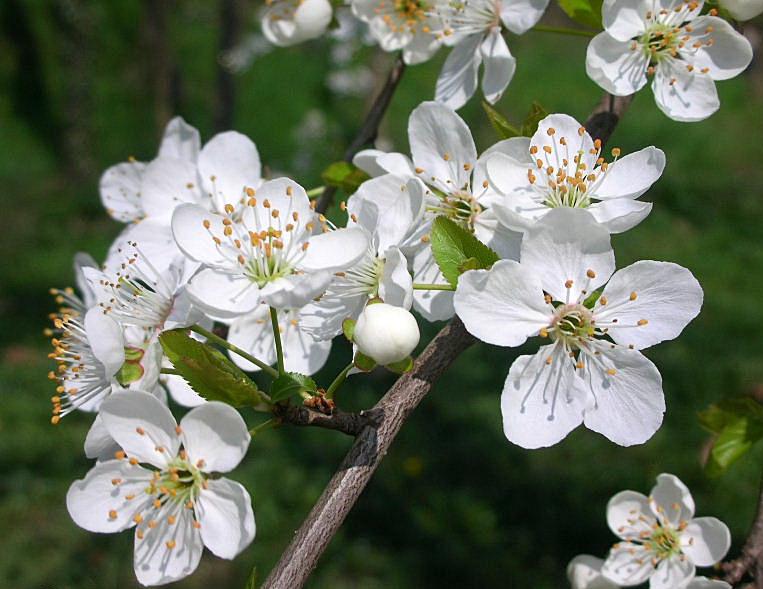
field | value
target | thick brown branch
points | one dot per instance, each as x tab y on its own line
299	559
349	423
370	129
607	114
750	562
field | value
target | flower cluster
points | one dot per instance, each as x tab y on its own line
681	48
661	542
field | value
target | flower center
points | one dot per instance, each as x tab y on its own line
572	324
460	206
361	279
659	41
664	542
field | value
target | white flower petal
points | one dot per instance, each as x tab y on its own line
542	401
180	141
194	239
649	302
458	77
226	517
420	48
377	163
228	164
671	500
584	572
729	54
223	296
433	305
301	352
629	514
632	175
285	196
499	65
671	573
441	145
628	564
106	340
181	392
153	237
98	443
620	214
705	583
629	403
614	66
312	18
706	540
503	241
216	434
625	19
335	250
126	415
682	95
253	333
97	504
743	9
517	148
567	140
520	16
396	284
155	563
509	176
167	183
502	306
568	245
120	191
296	290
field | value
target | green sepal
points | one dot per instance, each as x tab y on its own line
348	328
344	175
534	116
134	354
209	372
402	366
500	123
289	384
590	302
363	362
129	373
454	249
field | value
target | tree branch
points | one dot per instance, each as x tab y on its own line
607	114
351	424
750	562
344	488
370	128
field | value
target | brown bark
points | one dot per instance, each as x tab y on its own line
750	562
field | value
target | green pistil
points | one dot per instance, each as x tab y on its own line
664	543
460	208
659	41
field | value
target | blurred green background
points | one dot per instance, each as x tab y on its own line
84	85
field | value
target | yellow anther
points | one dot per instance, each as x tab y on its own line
615	152
140	431
590	273
543	332
133	461
229	209
113	514
611	372
633	296
170	544
138	518
547	148
568	284
119	454
603	300
643	322
446	156
170	519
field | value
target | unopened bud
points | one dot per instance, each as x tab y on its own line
386	333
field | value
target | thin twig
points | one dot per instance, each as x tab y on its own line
750	561
349	423
370	129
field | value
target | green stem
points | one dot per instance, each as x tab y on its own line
563	31
235	349
265	425
338	381
170	371
277	338
317	191
420	286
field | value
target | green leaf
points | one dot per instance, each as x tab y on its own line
401	367
363	362
534	116
344	175
348	328
718	416
499	122
738	424
210	373
289	384
455	249
585	12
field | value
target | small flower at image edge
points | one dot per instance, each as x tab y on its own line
160	484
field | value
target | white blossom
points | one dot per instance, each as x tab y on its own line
289	22
743	9
591	371
160	484
474	29
562	166
683	51
662	541
265	250
584	572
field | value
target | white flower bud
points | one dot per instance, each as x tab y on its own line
386	333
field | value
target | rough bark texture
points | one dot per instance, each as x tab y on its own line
370	447
351	424
370	129
750	562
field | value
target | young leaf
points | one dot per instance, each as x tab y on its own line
585	12
211	374
534	116
499	122
456	250
738	424
344	175
718	416
291	383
